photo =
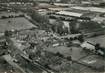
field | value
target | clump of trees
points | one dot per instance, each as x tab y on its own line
81	38
65	1
59	27
39	18
74	27
7	33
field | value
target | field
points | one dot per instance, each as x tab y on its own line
15	23
98	39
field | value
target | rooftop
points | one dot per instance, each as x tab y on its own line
94	9
69	13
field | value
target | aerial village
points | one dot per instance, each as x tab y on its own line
52	36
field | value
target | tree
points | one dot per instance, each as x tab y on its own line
65	30
81	38
7	33
73	27
58	26
69	58
52	2
65	1
97	46
102	4
37	17
41	19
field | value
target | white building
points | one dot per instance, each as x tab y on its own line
67	13
92	9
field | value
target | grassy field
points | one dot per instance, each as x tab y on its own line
15	23
98	39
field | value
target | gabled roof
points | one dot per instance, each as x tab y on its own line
69	13
94	9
